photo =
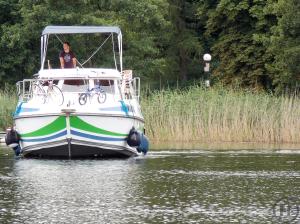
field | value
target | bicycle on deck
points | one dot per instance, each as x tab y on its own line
47	91
90	93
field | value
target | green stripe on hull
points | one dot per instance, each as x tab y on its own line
55	126
77	123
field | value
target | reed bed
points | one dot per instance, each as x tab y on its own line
8	101
220	115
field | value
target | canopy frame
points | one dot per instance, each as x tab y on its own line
54	30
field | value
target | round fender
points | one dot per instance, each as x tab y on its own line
144	146
12	138
134	138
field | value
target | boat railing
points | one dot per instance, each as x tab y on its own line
50	91
24	89
54	91
40	90
131	88
137	87
130	85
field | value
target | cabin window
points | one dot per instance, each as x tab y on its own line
74	82
47	82
106	85
74	85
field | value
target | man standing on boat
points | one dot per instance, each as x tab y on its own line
67	57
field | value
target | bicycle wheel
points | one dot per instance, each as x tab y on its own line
55	95
101	96
38	93
82	98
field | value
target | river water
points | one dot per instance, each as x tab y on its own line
166	186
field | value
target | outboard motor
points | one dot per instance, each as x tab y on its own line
12	140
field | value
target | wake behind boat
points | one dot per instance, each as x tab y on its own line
79	112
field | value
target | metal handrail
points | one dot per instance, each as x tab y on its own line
26	89
26	92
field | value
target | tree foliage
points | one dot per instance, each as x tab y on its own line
254	43
284	44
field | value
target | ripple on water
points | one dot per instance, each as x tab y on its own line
164	187
223	174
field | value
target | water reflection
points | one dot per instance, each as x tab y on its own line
70	191
164	187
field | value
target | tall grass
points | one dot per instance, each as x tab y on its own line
8	101
219	115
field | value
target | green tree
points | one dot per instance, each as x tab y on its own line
232	25
185	46
284	44
142	23
8	17
254	43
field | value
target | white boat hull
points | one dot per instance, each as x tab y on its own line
75	135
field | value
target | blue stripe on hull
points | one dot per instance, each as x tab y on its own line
84	135
60	134
73	132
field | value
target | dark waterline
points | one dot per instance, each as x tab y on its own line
198	186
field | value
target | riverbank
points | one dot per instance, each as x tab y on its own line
234	147
220	115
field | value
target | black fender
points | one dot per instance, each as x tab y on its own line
12	138
133	138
